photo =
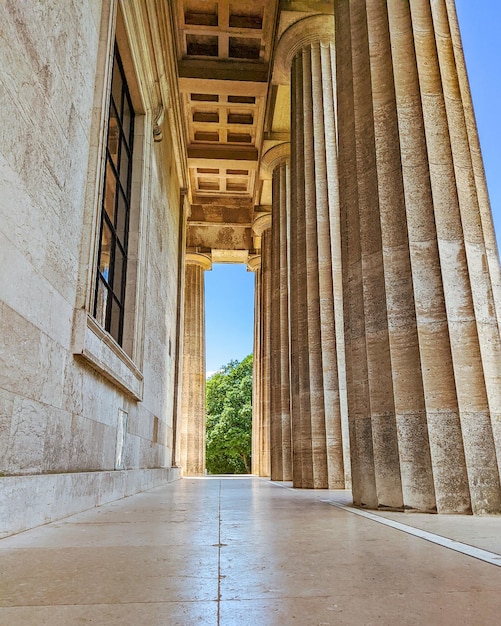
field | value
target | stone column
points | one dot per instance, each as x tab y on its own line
261	228
192	435
422	335
305	56
254	265
477	164
469	139
275	164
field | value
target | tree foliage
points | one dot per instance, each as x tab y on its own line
229	419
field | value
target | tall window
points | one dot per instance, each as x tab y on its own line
112	258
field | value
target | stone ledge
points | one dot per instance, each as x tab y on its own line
100	351
30	501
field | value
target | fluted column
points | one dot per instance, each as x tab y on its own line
254	265
266	351
306	51
470	127
275	164
192	435
357	373
473	324
261	227
422	336
469	135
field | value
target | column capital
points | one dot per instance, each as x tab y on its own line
197	258
273	157
309	30
261	223
254	263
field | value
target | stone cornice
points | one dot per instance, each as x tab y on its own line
168	107
313	29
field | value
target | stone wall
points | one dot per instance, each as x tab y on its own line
58	412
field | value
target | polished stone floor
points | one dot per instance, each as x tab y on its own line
244	551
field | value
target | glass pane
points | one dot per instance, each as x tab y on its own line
118	273
126	122
115	321
121	218
116	87
113	135
101	302
109	191
124	168
105	256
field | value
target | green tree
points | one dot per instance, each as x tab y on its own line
229	419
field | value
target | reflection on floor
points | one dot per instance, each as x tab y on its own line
224	551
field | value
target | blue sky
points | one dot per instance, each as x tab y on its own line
230	288
229	314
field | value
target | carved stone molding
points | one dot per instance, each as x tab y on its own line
274	157
202	260
254	263
158	118
261	223
313	29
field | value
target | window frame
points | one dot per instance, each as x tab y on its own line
92	344
115	293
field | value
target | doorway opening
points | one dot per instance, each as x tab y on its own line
229	319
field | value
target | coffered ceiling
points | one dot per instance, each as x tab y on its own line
224	55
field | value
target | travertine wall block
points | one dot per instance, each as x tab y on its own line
58	414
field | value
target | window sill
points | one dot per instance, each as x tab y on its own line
101	352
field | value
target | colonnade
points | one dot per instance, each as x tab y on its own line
391	265
377	289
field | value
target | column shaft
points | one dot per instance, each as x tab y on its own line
316	420
489	237
360	429
256	378
375	338
265	463
475	221
467	286
476	158
192	440
281	459
412	434
448	462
